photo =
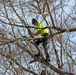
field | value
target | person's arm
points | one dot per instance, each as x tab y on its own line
35	34
38	30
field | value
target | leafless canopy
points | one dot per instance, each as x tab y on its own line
17	46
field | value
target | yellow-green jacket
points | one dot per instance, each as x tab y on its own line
41	28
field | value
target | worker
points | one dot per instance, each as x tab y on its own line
40	29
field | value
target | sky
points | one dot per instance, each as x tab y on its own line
67	9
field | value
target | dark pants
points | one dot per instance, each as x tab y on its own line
44	41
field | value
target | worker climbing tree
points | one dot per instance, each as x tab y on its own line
40	29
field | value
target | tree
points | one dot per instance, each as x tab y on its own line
17	46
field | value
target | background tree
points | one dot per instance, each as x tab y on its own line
17	46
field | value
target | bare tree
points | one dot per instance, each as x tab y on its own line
17	46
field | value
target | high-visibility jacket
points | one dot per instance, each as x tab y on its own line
40	29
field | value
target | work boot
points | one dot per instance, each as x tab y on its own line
47	58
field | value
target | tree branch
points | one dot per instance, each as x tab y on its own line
19	64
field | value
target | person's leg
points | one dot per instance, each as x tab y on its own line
46	48
37	43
